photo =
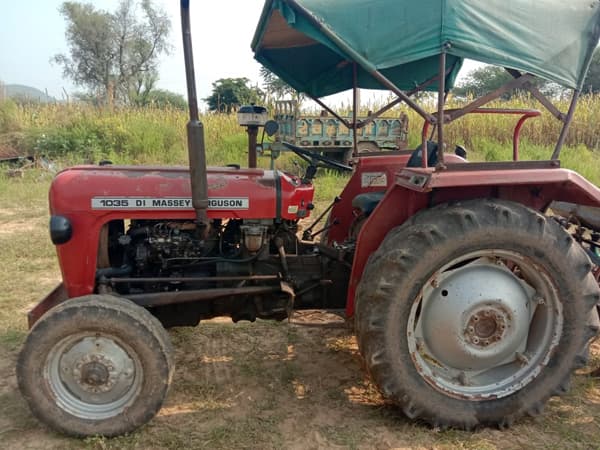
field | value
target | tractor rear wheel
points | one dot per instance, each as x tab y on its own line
95	365
475	313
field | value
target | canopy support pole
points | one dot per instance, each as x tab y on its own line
440	113
354	110
355	56
410	93
533	90
513	84
328	109
565	128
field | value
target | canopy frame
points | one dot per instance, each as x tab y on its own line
441	117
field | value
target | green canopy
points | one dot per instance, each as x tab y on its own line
402	39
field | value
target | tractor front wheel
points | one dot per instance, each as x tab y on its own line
475	313
95	365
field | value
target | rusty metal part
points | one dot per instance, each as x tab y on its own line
478	103
440	111
487	326
282	257
538	96
192	279
252	131
195	130
57	296
289	290
567	124
306	234
170	298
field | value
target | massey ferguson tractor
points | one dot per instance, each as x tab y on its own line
472	286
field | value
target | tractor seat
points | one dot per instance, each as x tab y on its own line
416	158
367	202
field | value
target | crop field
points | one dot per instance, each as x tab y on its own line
298	385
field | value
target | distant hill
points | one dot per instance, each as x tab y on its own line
27	92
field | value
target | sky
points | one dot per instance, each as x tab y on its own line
33	31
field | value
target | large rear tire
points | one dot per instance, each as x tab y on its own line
475	313
96	365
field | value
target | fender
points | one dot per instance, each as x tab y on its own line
535	184
377	172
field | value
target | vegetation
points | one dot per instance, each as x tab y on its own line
157	135
114	55
230	93
488	78
277	89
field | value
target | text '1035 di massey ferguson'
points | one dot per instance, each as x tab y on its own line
473	287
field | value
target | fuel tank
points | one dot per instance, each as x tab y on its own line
233	193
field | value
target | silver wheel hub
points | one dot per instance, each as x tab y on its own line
93	377
481	327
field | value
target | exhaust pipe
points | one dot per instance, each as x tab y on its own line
195	129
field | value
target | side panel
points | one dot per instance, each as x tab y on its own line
371	174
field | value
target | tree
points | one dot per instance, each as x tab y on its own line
592	80
230	93
276	88
114	55
162	98
486	79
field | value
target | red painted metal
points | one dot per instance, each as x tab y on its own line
72	191
389	165
398	205
343	211
418	188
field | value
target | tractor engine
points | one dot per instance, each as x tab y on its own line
140	228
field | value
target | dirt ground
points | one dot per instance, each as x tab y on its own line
298	385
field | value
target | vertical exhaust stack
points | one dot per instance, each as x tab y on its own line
195	129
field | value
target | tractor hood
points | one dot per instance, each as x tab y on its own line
146	192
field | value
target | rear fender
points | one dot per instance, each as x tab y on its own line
533	184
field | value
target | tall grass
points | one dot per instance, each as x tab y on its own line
79	133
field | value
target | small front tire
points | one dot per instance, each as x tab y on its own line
96	365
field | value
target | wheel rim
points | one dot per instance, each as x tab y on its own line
93	377
484	325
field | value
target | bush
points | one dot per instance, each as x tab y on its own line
9	117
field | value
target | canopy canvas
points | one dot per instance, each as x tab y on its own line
313	45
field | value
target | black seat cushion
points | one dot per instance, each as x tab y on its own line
416	160
367	202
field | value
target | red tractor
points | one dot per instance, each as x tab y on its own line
473	293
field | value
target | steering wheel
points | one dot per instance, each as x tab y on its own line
309	157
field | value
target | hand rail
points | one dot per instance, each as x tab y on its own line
525	115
